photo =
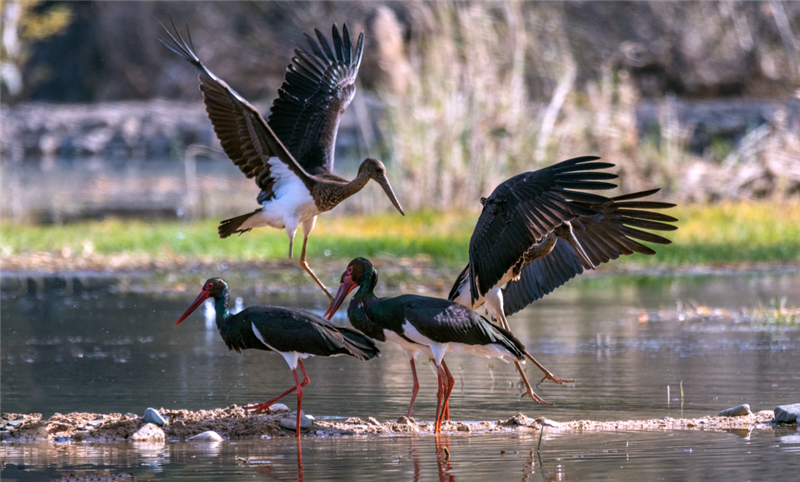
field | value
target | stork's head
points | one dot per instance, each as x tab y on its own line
212	288
377	172
359	273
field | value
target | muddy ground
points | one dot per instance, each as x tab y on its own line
235	422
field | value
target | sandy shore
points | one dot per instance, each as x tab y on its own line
236	423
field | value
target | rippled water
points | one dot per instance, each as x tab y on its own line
81	345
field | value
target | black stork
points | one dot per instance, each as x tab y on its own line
294	334
291	155
522	248
421	323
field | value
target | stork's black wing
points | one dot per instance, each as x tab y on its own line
446	321
316	89
524	208
245	137
612	232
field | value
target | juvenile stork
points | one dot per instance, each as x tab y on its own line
291	156
295	334
523	249
423	324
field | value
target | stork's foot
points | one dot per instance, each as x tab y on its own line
536	398
555	379
259	408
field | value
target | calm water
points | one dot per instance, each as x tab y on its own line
79	344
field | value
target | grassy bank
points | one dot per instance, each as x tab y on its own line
727	233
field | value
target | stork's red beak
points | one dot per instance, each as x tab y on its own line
199	301
345	288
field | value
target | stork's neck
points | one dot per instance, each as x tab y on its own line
329	194
365	291
221	307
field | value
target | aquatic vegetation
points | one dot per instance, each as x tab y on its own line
729	233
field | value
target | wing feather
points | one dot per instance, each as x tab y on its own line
318	86
526	207
611	232
244	135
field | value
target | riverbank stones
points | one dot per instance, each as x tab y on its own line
209	436
787	413
152	416
149	433
278	407
738	411
290	422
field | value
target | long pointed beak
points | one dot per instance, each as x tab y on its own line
345	288
384	182
199	301
573	241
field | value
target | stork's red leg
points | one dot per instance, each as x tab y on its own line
299	398
439	394
415	389
262	407
450	382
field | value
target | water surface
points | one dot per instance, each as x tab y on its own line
83	344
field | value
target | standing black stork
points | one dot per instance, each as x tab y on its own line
291	156
421	323
520	251
295	334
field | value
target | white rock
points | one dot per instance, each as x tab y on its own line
148	433
209	436
278	407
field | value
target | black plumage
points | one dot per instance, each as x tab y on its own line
423	324
293	333
605	236
524	209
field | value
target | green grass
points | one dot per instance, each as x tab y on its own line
720	234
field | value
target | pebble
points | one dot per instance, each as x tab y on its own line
278	407
290	423
15	423
406	421
149	433
94	423
209	436
374	421
787	413
152	416
739	411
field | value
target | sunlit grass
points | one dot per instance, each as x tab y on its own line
721	234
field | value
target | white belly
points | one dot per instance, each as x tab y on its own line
411	349
438	350
291	205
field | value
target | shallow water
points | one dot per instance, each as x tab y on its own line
81	344
622	456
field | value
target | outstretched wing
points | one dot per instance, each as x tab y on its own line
526	207
316	89
612	232
245	137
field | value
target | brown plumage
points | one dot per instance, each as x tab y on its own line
291	157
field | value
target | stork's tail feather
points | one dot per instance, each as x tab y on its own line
233	225
358	344
506	339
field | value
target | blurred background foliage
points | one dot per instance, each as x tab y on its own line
701	98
